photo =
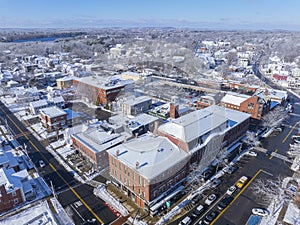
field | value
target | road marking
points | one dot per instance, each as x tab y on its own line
53	168
276	150
238	195
266	172
286	137
74	192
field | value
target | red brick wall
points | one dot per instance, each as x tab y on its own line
7	200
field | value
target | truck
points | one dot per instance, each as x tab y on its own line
253	220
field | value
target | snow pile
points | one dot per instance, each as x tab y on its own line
34	215
292	215
101	192
61	215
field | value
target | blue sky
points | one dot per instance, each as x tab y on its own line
227	14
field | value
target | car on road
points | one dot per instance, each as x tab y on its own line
196	199
42	163
260	212
241	182
251	153
225	202
186	221
210	217
210	199
198	211
231	190
216	182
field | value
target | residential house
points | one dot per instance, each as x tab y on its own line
53	118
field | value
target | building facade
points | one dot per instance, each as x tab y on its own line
53	118
147	168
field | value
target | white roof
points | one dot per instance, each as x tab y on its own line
58	99
230	114
193	125
53	111
137	100
104	83
273	93
8	180
150	155
234	99
39	103
98	140
67	78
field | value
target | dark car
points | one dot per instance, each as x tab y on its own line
207	174
224	202
198	211
232	169
210	217
196	199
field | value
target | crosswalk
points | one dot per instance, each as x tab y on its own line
274	154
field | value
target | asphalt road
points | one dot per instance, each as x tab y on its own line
78	197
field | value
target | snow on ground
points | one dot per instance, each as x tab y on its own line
101	192
292	215
57	144
61	215
33	215
38	128
65	151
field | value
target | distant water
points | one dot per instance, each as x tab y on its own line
44	39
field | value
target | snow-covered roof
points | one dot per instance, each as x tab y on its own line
234	98
137	100
273	93
232	115
144	119
98	140
150	155
58	99
8	180
53	111
193	125
67	78
39	103
105	84
3	157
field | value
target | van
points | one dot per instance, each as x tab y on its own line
186	221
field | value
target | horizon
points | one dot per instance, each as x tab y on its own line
190	14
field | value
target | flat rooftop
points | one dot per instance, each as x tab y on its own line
53	111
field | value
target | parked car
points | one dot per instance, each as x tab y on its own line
196	199
210	217
231	190
225	202
251	153
41	163
186	221
216	182
241	182
260	212
198	211
210	199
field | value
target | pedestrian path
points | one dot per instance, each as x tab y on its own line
274	154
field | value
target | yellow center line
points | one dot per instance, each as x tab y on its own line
236	197
276	150
286	137
55	170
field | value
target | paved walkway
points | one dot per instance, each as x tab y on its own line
274	154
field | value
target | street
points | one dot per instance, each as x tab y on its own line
70	190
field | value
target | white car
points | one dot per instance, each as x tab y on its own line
260	212
251	153
231	190
210	199
42	164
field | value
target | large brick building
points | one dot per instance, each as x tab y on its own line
253	105
101	91
147	167
53	118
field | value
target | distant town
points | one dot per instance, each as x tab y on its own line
149	126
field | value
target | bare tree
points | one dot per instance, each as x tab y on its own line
274	117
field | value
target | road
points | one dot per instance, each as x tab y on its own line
72	194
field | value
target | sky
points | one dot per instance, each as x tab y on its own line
211	14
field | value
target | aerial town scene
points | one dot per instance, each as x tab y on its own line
149	112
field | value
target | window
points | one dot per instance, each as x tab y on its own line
14	194
250	105
16	201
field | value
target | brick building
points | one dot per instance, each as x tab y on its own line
253	105
11	190
101	91
147	168
53	118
